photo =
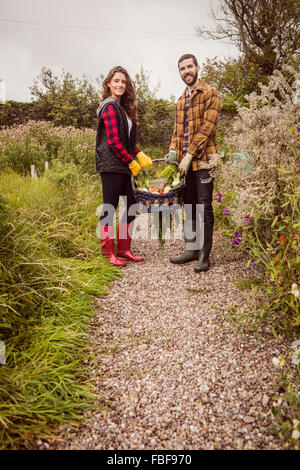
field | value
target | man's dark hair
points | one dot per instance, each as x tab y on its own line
188	56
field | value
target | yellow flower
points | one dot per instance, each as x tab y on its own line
281	360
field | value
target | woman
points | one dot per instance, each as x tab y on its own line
115	152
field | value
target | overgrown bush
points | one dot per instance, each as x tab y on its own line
257	206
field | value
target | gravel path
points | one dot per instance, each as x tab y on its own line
172	371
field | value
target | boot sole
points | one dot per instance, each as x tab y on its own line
120	255
183	262
204	270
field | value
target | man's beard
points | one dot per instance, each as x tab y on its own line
195	77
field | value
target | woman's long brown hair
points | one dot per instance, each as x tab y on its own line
128	100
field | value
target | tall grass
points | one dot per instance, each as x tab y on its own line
51	268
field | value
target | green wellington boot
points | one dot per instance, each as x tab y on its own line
203	261
188	254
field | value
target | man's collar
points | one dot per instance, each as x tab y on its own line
189	92
199	87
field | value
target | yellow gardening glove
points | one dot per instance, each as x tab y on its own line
134	167
144	159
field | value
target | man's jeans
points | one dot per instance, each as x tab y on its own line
197	192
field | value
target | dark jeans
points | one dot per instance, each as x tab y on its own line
197	192
115	185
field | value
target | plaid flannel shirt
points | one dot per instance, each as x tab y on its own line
110	121
186	135
203	114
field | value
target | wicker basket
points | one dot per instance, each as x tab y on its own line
150	202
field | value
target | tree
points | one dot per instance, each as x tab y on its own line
156	115
145	98
233	78
66	101
266	32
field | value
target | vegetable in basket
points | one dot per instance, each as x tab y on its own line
170	174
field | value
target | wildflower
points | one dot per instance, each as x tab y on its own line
282	240
254	266
236	234
281	360
298	164
295	423
298	129
236	238
276	361
296	357
297	146
246	221
294	291
226	211
275	260
219	197
295	434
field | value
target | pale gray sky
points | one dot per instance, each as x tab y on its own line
91	36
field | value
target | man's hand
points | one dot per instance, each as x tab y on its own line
144	159
171	156
185	164
134	167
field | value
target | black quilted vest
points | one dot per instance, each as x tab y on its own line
106	159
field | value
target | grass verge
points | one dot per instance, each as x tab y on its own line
51	269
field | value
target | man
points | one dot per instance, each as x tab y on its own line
194	145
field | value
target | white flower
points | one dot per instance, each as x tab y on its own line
296	356
295	423
295	290
295	434
276	361
296	344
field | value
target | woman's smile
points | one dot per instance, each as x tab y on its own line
117	85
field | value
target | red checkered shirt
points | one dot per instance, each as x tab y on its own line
110	121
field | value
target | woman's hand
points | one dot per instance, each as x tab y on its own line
134	167
144	159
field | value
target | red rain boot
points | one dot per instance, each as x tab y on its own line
107	244
124	243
